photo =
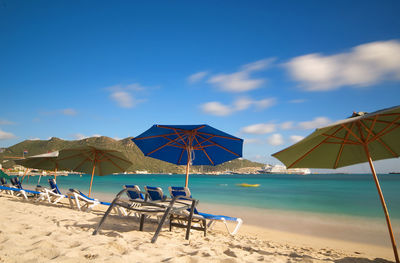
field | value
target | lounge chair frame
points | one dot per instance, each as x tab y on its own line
165	207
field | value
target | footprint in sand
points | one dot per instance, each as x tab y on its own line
91	256
230	253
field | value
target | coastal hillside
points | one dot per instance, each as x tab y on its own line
140	162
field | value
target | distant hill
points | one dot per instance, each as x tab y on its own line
140	162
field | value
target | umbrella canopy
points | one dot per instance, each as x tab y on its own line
93	160
46	161
361	138
189	145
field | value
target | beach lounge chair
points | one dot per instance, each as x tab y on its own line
164	207
81	201
86	203
53	194
16	182
155	193
185	192
3	182
25	193
133	192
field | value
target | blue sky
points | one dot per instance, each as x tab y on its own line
266	71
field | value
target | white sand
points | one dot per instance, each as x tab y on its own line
31	232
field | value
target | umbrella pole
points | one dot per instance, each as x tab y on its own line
389	225
23	177
55	175
91	180
187	170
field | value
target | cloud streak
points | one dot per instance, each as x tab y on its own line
241	81
125	95
362	66
6	135
218	109
196	77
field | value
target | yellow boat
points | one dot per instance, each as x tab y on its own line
248	185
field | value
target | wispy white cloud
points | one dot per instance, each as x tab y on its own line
125	95
80	136
315	123
275	139
241	81
123	99
364	65
6	122
295	138
6	135
196	77
259	128
240	104
69	112
286	125
216	108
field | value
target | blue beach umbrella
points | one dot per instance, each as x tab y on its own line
189	145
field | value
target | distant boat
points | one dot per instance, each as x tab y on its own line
394	173
281	169
248	185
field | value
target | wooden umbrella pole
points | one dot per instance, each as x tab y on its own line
23	177
91	180
187	169
55	175
385	210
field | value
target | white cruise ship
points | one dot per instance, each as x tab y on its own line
281	169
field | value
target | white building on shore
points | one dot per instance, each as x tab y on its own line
281	169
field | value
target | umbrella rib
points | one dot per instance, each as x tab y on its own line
341	148
117	157
384	131
180	129
312	149
81	163
370	131
205	140
162	146
181	138
341	140
352	133
371	128
220	136
180	157
201	147
154	136
222	147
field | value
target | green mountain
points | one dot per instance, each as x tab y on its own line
140	162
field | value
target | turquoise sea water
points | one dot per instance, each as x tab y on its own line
343	194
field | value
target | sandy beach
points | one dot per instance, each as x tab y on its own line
38	232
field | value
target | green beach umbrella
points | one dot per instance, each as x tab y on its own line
93	160
46	161
361	138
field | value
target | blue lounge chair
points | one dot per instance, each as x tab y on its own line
185	192
24	193
3	181
133	192
86	203
155	193
16	182
54	194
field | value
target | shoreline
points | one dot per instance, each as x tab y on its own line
54	232
335	227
